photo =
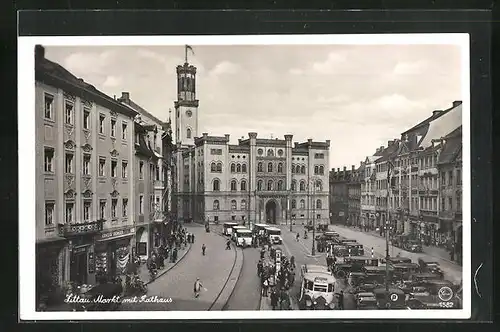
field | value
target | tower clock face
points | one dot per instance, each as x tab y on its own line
189	113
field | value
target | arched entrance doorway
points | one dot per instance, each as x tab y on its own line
271	209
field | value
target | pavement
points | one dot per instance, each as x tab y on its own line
144	272
174	290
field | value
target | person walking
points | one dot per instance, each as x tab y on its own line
274	299
203	248
192	238
197	287
228	245
265	287
341	300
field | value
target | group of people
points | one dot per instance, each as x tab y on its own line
276	284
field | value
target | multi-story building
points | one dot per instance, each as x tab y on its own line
450	189
415	184
150	181
382	196
368	181
259	180
339	195
354	195
84	149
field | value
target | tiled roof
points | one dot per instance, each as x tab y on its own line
452	147
142	147
433	117
388	152
443	126
55	74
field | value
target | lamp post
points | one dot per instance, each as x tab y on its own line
288	210
313	251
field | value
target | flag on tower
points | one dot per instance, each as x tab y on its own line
189	48
186	48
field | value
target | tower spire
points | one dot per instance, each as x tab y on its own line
186	48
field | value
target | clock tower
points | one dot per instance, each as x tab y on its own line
186	105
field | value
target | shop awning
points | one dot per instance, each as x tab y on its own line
51	240
116	238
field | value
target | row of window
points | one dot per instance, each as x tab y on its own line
69	116
270	167
69	215
238	168
426	203
271	185
86	166
243	204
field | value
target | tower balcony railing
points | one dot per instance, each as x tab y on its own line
75	229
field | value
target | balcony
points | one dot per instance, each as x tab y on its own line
448	215
428	213
69	230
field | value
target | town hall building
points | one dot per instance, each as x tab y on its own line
258	180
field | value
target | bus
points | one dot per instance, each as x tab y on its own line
228	227
258	229
243	238
234	230
273	235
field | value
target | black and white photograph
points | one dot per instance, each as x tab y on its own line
245	177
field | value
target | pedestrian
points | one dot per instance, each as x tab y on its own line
174	255
274	299
265	286
228	245
341	300
203	248
192	238
197	287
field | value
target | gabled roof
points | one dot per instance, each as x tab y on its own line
452	148
443	126
388	153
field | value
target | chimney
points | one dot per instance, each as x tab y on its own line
338	170
436	112
381	148
227	137
125	96
390	143
345	169
457	103
353	168
39	52
205	135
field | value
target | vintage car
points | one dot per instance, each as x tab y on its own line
396	260
404	270
395	298
366	301
355	279
413	246
355	249
435	294
273	235
317	291
313	268
418	279
430	266
340	250
330	235
361	261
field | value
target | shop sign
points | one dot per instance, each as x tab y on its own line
116	233
91	263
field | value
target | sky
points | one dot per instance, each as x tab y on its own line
357	96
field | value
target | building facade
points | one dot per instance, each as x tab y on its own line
339	195
354	195
450	190
256	180
150	179
84	149
368	182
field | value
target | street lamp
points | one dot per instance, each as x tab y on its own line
313	251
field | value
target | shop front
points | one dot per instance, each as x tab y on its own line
113	251
142	242
80	251
50	266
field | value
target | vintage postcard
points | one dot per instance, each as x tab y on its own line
245	177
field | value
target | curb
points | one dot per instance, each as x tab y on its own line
172	266
238	250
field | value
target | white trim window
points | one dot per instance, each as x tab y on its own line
114	164
102	118
102	166
141	204
48	107
113	128
69	215
141	170
86	118
86	164
124	130
114	205
49	160
124	169
49	213
125	207
87	208
69	163
102	209
68	112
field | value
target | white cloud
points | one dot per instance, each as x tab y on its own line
330	65
88	62
410	68
225	67
113	82
296	71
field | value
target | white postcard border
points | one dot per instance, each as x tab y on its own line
26	130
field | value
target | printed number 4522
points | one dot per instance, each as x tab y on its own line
446	304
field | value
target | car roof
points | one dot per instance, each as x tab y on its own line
313	275
261	225
230	223
271	228
239	227
315	267
240	230
361	257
